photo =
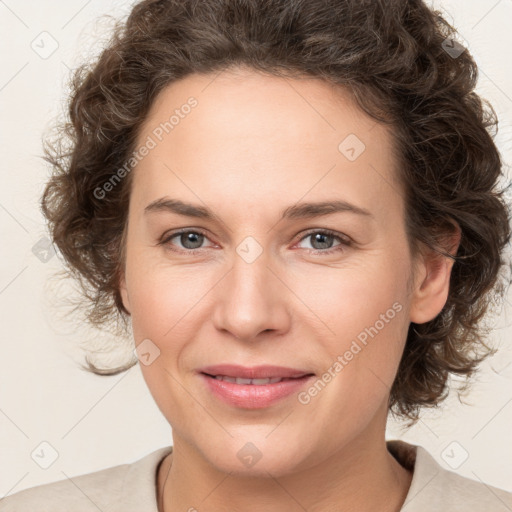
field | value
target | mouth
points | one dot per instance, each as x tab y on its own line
253	388
255	382
257	375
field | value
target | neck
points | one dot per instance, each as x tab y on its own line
363	476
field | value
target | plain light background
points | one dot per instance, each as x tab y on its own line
92	422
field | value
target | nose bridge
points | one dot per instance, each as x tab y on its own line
251	299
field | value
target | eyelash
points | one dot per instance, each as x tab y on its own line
344	241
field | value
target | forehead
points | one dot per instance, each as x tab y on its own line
242	103
243	133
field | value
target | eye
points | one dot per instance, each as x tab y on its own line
321	241
190	240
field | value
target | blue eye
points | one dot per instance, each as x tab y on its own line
324	238
191	241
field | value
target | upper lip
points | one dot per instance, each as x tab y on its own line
253	372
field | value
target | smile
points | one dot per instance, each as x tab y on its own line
256	382
257	393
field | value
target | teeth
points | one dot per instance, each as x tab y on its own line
272	380
257	382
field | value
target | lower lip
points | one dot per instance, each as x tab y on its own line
252	396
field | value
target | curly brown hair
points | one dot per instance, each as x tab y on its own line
394	56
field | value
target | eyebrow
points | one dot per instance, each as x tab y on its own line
297	211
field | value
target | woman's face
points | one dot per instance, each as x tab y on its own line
267	273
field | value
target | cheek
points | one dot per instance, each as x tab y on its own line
162	303
369	347
162	298
364	319
349	301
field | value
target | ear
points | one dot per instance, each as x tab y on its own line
124	293
114	247
432	279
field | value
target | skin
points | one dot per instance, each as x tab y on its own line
252	147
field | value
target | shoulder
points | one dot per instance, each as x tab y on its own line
436	488
104	490
456	493
82	493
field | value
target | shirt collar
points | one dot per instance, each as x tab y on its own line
425	468
139	484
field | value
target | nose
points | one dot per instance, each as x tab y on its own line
252	299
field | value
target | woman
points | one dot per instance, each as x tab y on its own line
294	205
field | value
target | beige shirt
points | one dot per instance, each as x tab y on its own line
132	488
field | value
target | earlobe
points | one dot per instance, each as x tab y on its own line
432	283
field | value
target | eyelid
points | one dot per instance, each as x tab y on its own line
344	240
168	235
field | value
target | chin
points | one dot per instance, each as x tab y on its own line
260	458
